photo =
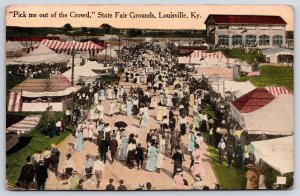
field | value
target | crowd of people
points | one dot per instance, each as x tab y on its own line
181	102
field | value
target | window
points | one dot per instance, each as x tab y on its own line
223	27
277	40
250	40
285	58
237	40
264	40
223	40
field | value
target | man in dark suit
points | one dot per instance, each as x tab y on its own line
113	146
27	174
177	157
139	156
110	186
41	175
103	148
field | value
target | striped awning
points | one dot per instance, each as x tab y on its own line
278	90
68	45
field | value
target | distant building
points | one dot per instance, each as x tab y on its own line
247	30
279	56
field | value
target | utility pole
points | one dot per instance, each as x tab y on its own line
73	65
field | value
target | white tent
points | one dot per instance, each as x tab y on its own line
275	118
14	46
65	92
237	88
42	55
277	153
14	49
85	70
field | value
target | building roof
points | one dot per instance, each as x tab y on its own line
253	100
244	19
277	51
40	85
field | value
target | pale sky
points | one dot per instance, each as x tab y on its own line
285	11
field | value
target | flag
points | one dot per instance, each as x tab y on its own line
254	73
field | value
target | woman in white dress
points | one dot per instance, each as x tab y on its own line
111	108
153	103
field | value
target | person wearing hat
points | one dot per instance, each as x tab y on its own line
121	187
113	146
221	147
69	165
89	163
252	177
27	174
79	145
139	156
178	158
152	155
41	175
98	170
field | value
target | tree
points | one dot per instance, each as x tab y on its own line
84	30
106	28
67	27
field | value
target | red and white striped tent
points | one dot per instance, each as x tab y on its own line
59	46
278	90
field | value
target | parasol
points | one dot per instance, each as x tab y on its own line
120	124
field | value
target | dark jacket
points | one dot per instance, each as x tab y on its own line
27	173
113	145
122	188
139	153
41	173
110	187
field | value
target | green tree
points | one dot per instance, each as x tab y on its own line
106	28
67	27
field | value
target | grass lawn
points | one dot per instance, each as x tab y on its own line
254	55
228	178
29	143
273	75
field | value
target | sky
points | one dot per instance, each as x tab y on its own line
285	11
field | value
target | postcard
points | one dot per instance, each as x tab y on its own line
149	97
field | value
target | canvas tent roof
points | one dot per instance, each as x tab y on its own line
275	118
237	88
42	85
277	153
42	55
82	71
14	46
64	92
253	100
68	45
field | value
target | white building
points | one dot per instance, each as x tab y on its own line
279	56
245	30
